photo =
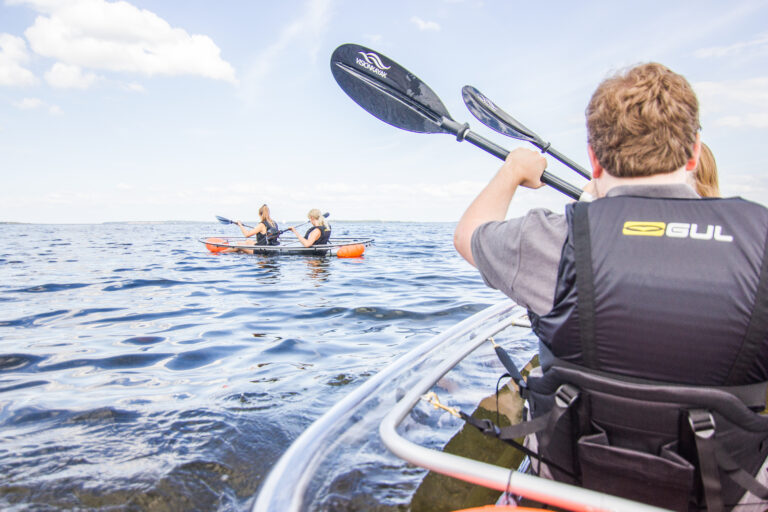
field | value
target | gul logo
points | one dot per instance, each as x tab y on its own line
372	62
675	230
644	228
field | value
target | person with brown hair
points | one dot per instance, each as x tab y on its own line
645	282
704	178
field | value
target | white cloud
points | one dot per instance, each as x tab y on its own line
746	121
13	54
117	36
29	103
745	101
134	87
759	45
69	76
425	25
36	103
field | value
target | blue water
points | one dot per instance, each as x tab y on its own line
138	371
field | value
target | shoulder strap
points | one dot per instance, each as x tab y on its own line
585	283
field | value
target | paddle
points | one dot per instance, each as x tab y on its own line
225	220
496	119
393	94
326	214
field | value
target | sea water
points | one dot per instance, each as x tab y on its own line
138	371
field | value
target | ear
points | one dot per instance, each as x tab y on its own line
597	169
692	162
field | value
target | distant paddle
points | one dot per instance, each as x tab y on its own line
225	220
496	119
326	214
396	96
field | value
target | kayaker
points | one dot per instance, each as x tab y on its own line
644	152
266	231
704	178
646	282
318	234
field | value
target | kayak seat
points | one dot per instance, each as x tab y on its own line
679	447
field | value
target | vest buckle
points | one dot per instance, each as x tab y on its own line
566	395
702	423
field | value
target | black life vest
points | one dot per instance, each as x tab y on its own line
271	237
655	368
672	290
325	234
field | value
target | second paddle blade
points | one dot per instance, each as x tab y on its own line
387	90
493	117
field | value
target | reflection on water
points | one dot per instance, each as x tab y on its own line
318	269
139	371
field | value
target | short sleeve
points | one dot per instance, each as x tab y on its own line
519	257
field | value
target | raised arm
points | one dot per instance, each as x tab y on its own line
523	167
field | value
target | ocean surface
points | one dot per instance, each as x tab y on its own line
140	372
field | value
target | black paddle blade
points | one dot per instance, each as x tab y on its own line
387	90
494	118
224	220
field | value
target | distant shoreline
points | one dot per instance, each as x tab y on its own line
149	222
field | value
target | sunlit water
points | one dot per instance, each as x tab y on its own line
138	371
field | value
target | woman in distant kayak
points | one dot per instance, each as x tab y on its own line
318	234
266	232
704	178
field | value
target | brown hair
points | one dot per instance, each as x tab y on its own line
643	121
707	184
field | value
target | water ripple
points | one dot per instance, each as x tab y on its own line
162	377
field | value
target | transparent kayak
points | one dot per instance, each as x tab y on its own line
335	246
361	453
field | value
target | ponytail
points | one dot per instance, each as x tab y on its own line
314	213
265	216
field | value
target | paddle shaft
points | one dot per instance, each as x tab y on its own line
565	160
225	220
326	214
463	132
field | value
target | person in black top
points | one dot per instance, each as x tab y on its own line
318	234
266	231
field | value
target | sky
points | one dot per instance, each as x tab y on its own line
183	110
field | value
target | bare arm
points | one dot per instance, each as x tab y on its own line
307	242
522	167
258	229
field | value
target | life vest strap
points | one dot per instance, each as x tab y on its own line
585	283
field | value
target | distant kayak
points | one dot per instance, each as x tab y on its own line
342	247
